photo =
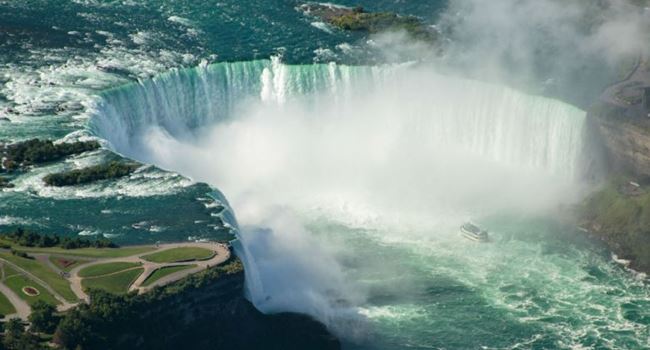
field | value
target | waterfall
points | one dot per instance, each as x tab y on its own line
492	121
386	148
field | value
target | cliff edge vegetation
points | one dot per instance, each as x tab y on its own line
619	215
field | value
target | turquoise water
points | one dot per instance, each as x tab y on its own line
348	200
536	286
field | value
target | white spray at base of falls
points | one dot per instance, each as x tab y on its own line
398	150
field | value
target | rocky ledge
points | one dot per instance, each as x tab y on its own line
626	138
619	212
358	19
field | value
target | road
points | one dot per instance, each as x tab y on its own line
638	77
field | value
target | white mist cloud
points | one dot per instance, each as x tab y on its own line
576	43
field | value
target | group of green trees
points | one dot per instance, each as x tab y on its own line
106	171
43	320
28	238
37	151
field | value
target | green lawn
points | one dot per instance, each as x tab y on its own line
180	254
17	282
9	271
104	269
56	282
117	283
5	306
65	263
91	252
164	271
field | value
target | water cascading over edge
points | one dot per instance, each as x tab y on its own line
431	112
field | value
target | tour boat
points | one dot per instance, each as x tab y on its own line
473	232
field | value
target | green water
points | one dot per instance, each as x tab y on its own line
536	285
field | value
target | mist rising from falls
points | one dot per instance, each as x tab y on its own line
398	150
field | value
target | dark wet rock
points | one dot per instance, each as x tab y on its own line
4	183
626	138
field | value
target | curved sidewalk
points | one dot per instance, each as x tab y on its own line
222	253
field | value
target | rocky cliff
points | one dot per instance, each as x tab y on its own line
618	213
626	137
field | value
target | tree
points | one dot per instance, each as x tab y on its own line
73	331
17	339
14	330
42	317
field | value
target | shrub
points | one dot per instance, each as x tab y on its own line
112	170
29	238
20	254
42	317
37	151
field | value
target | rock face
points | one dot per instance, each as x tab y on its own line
217	316
619	212
626	139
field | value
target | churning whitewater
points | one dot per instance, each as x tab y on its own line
349	183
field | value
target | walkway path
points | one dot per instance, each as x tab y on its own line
65	305
222	253
638	77
22	308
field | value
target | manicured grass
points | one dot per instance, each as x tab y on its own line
164	271
65	263
56	282
104	269
117	283
5	306
9	271
91	252
180	254
17	282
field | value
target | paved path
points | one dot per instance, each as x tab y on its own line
638	77
22	308
222	254
65	305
